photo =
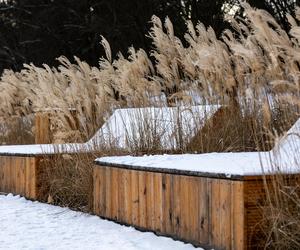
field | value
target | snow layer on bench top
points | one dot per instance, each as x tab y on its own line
42	149
241	164
33	225
224	163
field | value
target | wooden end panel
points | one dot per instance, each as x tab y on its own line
238	232
226	218
254	198
42	128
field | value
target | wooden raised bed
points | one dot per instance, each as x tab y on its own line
20	174
208	210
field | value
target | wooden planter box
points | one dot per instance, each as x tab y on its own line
208	210
21	174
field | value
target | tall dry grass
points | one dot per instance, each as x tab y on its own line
17	130
245	69
281	221
253	72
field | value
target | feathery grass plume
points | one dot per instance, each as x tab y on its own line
258	61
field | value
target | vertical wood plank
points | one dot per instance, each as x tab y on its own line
215	213
150	200
96	188
176	220
135	197
33	164
12	175
108	194
121	175
127	197
102	190
28	174
238	224
185	207
142	199
193	208
158	209
22	172
167	214
204	188
114	193
225	214
42	128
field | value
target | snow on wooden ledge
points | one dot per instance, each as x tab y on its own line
228	165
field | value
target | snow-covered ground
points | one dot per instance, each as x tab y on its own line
32	225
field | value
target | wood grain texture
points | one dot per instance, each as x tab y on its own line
206	212
42	128
18	175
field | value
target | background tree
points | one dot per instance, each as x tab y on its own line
40	31
277	8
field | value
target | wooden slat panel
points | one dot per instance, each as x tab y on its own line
176	219
127	196
167	204
150	200
9	172
135	197
108	193
185	207
193	208
29	174
16	176
196	209
215	213
158	209
114	193
121	194
10	181
225	214
42	128
204	209
32	178
96	190
238	240
102	190
23	177
142	199
16	166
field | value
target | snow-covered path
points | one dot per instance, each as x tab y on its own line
33	225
